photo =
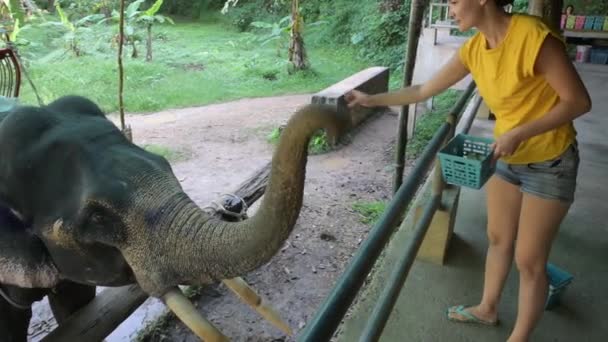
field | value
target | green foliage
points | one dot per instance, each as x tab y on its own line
429	123
195	63
318	142
377	30
588	7
12	18
370	211
520	6
75	28
273	136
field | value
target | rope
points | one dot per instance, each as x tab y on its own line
217	207
13	303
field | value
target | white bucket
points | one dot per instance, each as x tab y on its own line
583	53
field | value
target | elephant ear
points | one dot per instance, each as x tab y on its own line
24	260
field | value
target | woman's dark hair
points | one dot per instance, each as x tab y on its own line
503	3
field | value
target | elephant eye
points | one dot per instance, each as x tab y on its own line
96	218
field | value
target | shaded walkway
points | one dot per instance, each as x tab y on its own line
581	248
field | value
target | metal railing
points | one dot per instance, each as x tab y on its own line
332	311
445	22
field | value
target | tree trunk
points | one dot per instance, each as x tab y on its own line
417	10
149	44
134	53
121	77
51	6
297	52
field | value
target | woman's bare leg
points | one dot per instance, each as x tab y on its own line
538	225
504	205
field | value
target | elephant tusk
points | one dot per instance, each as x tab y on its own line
187	313
248	295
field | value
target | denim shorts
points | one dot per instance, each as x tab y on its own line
551	179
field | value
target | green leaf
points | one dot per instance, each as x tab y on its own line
16	30
261	24
357	38
284	19
162	18
133	8
64	19
155	7
92	17
15	9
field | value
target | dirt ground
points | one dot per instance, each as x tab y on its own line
219	147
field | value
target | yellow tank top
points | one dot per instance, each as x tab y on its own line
507	83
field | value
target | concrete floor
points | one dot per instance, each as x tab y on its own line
581	248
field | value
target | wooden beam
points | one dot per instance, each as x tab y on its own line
112	306
101	316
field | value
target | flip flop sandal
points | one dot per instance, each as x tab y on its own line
466	317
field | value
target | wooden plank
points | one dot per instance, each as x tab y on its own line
112	306
371	80
586	34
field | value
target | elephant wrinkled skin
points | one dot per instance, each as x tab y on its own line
83	206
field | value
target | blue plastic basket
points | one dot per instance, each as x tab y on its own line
558	282
467	161
599	56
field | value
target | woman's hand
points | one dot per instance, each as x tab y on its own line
355	97
506	144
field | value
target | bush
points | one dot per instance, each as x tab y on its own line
381	40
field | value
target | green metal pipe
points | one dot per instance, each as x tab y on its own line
462	101
333	309
388	298
467	124
328	318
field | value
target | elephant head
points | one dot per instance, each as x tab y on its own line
94	208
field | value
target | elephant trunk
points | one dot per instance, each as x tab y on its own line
200	248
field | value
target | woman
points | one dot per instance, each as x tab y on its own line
524	75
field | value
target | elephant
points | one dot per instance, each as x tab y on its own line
82	206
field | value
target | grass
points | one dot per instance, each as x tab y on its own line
370	211
194	63
168	153
428	124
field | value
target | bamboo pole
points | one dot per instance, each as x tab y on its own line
187	313
121	37
249	296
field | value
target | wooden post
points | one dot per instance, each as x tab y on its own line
415	26
553	13
112	306
535	7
